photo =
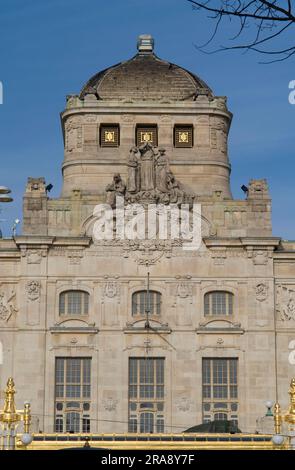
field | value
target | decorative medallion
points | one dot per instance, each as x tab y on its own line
33	289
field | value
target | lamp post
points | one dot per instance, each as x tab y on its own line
4	191
10	418
287	417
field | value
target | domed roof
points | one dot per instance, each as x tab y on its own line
145	77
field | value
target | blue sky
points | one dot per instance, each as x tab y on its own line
49	48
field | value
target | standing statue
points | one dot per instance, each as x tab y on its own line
161	171
177	195
116	188
147	182
133	183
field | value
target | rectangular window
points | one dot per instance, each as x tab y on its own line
183	136
109	135
146	395
146	133
72	394
220	389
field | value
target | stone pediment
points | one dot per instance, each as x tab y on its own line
74	325
139	326
219	325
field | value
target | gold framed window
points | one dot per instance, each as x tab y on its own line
109	135
183	136
146	133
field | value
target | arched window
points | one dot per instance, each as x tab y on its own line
142	302
218	303
74	302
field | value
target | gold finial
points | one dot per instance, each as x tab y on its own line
290	416
27	417
9	411
277	418
10	417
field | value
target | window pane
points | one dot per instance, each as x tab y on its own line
59	370
132	425
62	303
58	424
160	425
59	391
206	304
86	424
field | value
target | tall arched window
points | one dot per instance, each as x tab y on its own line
218	303
142	301
74	302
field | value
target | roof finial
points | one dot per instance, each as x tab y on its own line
145	44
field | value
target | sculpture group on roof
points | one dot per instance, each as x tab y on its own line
150	179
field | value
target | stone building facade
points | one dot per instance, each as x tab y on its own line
214	334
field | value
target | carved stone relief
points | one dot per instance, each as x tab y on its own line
149	179
110	404
34	256
183	404
73	135
110	301
33	289
285	303
261	292
7	304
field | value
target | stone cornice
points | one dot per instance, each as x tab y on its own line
246	242
116	162
42	241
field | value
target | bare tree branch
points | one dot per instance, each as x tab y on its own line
257	18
